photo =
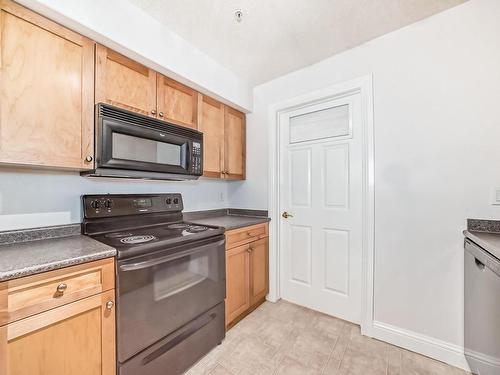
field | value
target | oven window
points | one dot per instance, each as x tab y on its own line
145	150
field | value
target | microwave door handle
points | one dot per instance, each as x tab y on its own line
167	258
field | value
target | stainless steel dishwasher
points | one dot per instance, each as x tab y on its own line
482	310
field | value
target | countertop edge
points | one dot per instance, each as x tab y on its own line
486	245
64	263
259	220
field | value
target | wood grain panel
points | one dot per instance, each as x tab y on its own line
241	236
259	270
234	144
76	339
30	295
211	123
177	102
124	83
237	282
47	91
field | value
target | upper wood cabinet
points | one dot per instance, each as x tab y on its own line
124	83
211	123
177	103
223	139
46	91
234	144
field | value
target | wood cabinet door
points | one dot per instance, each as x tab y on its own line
177	103
46	91
259	270
237	282
124	83
234	144
211	123
74	339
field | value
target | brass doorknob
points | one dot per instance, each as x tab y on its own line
286	215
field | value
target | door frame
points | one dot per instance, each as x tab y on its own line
364	86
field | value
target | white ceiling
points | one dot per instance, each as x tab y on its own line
276	37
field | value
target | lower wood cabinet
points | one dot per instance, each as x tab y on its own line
247	271
76	338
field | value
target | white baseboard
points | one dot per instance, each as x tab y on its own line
442	351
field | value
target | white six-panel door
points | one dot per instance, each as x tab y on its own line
321	190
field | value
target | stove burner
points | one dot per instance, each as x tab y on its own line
137	239
178	226
118	234
196	228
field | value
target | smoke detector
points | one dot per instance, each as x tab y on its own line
238	15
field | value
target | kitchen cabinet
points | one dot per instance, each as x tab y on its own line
177	103
124	83
47	92
237	281
224	139
59	322
247	271
48	98
234	144
259	270
211	123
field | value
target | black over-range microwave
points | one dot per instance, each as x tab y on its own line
131	145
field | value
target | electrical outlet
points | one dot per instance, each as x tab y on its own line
222	197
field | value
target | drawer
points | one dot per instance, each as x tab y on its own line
241	236
31	295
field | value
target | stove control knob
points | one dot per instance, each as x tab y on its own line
168	201
108	204
176	200
95	205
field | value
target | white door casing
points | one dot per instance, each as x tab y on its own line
363	85
321	186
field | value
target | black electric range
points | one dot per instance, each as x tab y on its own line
170	280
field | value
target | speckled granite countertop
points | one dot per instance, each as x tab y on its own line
27	252
485	233
227	218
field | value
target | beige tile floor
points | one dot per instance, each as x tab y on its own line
282	338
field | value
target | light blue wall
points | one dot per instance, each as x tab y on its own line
31	198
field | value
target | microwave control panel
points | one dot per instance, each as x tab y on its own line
196	167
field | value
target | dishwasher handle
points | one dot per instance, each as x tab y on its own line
482	258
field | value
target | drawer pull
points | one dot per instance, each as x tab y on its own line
61	288
109	305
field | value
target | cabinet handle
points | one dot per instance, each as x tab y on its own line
160	114
249	250
89	158
153	112
61	288
109	305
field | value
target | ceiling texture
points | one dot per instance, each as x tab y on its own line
276	37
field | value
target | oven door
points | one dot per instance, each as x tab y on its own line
136	147
161	292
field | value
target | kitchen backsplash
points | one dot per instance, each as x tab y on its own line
40	198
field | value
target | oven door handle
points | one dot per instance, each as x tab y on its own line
167	258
